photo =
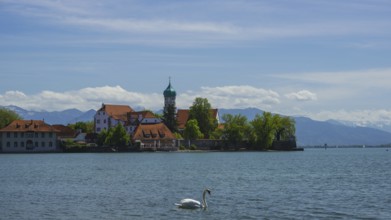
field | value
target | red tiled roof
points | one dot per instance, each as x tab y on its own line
117	111
28	125
182	117
153	132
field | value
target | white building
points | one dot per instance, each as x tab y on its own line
109	116
28	136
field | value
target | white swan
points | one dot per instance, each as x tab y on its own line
194	204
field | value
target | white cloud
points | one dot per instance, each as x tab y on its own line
83	99
362	117
303	95
232	97
92	97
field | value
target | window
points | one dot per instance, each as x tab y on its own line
36	135
22	144
29	135
36	144
15	144
8	134
98	129
8	144
98	121
50	144
104	121
51	134
15	134
42	135
22	135
43	144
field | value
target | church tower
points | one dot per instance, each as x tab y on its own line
169	96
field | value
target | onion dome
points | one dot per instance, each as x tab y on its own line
169	92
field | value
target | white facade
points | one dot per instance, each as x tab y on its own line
101	120
28	141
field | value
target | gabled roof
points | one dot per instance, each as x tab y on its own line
153	132
118	112
28	125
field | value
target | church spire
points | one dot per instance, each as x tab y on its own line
169	95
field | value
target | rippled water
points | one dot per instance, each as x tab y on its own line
314	184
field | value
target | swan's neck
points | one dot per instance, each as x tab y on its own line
204	204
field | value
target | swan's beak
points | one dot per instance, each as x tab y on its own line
208	192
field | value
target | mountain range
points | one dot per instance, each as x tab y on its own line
308	132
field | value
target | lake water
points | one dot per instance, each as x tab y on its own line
314	184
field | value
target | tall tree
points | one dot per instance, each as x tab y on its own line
7	116
201	111
192	131
284	127
263	130
102	137
236	128
117	136
169	118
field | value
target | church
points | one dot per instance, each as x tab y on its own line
145	127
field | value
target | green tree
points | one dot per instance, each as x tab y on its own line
7	116
169	118
102	137
201	111
236	128
263	130
85	127
117	136
192	131
284	127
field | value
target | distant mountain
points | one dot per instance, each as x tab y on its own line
86	116
56	117
318	133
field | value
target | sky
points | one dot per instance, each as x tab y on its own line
324	59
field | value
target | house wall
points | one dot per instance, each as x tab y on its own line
101	121
28	142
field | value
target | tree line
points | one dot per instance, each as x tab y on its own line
260	133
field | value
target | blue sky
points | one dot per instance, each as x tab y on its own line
326	59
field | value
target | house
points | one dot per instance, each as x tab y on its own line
28	136
154	137
183	117
141	117
108	116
